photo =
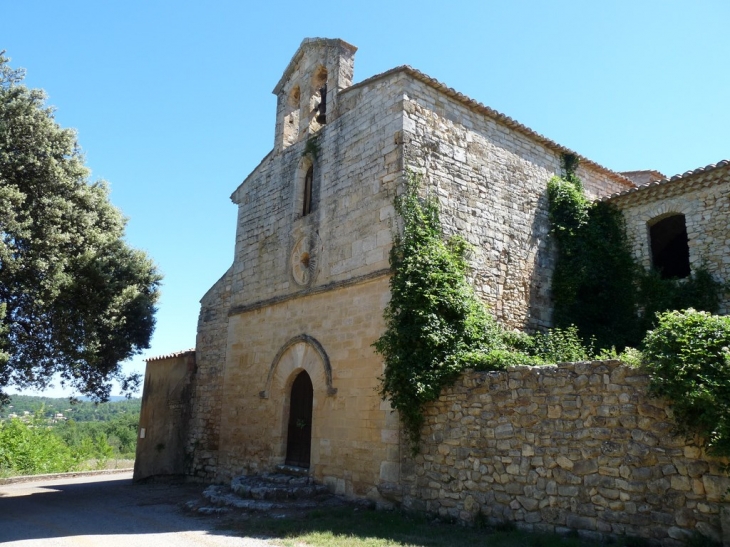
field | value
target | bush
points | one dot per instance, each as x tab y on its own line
32	448
498	359
688	360
561	346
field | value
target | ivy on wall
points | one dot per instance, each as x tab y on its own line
598	285
434	318
435	324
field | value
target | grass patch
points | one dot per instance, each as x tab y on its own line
362	528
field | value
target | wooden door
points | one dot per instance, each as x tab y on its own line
299	435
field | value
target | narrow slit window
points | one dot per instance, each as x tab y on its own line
308	178
670	247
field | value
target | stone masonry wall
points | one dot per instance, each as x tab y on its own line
570	447
355	436
204	428
350	226
491	181
704	200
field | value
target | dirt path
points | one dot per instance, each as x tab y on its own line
106	510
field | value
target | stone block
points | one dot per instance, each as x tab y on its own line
564	462
585	467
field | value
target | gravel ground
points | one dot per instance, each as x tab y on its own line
107	510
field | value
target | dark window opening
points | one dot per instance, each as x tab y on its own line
308	178
299	431
670	247
322	108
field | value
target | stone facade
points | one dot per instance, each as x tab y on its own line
309	281
570	447
321	273
491	182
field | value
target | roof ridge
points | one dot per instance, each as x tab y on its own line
495	114
659	182
171	355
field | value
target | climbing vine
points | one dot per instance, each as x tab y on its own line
593	283
434	319
436	326
312	149
597	284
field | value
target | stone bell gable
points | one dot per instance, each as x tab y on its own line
307	94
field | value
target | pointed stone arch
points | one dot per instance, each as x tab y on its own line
302	352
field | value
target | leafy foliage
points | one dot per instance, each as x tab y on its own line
113	438
700	291
78	410
434	320
31	448
688	358
593	283
436	326
38	443
312	149
597	284
75	300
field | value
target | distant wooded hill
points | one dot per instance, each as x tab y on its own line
81	411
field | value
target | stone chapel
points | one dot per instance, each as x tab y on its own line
283	372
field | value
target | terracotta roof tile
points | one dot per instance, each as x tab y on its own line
171	355
708	169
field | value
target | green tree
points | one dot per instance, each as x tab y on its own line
75	299
31	448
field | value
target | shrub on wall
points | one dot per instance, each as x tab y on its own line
688	358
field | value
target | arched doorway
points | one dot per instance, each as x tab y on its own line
299	431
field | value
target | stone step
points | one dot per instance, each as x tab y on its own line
275	494
292	470
221	496
278	486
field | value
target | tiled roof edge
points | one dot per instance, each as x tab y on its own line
171	355
676	178
494	114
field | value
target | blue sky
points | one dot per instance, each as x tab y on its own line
173	106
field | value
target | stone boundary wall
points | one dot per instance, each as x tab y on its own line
578	446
